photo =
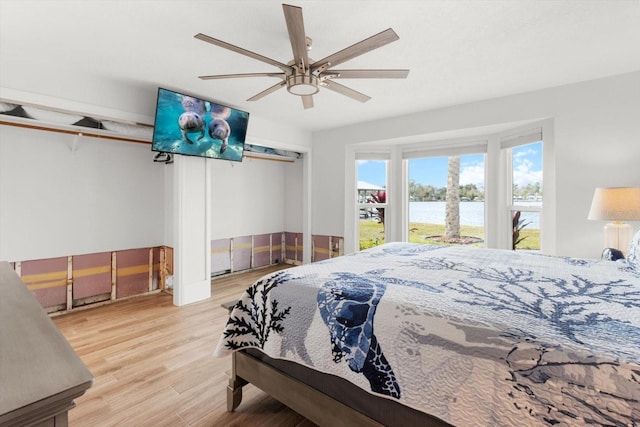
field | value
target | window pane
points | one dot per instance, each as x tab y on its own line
527	174
526	230
372	184
428	179
527	195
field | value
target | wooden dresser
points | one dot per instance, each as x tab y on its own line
40	374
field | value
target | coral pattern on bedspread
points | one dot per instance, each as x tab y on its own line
473	336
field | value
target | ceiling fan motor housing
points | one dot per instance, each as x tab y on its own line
302	84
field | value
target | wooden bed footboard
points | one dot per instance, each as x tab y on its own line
305	400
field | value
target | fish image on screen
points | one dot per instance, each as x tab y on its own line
193	126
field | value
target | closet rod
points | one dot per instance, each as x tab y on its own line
72	132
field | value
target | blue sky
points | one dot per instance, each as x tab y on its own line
527	165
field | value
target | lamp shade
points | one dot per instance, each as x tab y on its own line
616	204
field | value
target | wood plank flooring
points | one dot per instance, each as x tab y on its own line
153	363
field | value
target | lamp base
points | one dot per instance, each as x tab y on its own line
618	235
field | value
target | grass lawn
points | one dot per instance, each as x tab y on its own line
372	234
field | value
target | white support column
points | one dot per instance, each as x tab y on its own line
548	219
351	238
493	197
306	207
396	222
504	194
191	229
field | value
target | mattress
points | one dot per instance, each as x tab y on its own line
472	336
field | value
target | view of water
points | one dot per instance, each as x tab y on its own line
471	213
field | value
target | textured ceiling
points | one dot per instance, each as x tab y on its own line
458	51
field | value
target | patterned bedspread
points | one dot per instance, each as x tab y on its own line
473	336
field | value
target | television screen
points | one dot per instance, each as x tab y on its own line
197	127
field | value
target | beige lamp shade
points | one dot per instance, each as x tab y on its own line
616	204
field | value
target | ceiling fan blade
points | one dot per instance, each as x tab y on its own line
267	91
307	101
367	74
343	90
295	26
234	76
284	67
385	37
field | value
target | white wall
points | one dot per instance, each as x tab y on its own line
55	201
256	196
110	195
247	197
596	132
63	195
294	188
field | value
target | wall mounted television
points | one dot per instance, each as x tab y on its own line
193	126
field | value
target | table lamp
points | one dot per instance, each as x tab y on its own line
616	204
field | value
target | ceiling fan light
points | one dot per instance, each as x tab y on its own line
302	85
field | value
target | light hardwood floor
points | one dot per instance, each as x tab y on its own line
153	364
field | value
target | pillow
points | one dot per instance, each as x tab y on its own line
633	253
611	254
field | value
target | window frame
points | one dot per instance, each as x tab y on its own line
498	222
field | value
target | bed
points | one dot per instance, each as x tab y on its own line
409	334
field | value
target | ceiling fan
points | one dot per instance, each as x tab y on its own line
303	76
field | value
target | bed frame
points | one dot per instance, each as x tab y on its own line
305	400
